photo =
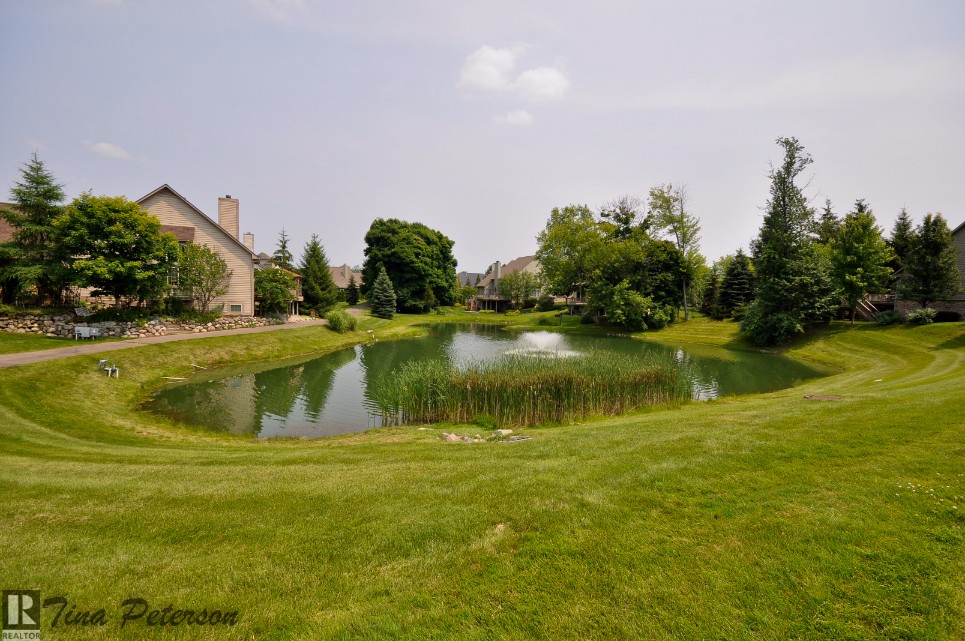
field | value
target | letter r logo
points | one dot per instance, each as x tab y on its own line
21	610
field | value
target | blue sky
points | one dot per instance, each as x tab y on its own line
478	118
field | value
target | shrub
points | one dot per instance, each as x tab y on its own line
770	328
922	316
513	312
587	319
546	322
545	303
658	317
340	322
887	318
128	315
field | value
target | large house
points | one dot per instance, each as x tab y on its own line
190	225
342	274
488	296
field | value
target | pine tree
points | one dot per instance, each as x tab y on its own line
34	261
859	257
737	287
352	292
383	296
283	256
793	280
931	266
318	288
902	239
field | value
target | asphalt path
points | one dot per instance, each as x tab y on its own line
93	347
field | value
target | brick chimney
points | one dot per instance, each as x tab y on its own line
250	241
228	215
496	267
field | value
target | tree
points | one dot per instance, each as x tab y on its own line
518	287
282	256
931	265
859	257
737	287
32	257
352	291
113	246
383	296
902	239
569	249
793	281
203	273
828	225
318	288
418	260
669	209
275	288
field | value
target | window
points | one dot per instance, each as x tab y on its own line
236	309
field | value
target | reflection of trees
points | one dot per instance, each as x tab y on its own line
226	405
278	390
318	377
379	360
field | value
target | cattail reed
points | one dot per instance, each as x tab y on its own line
526	390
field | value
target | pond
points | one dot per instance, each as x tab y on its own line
330	394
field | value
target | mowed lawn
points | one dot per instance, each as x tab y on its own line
770	516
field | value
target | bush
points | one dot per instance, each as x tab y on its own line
770	329
547	322
887	318
513	312
739	312
486	311
922	316
545	303
128	315
341	322
587	319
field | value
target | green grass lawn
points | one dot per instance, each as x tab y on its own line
769	516
11	343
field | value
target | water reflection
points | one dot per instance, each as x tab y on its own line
332	394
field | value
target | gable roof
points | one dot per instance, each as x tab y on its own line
954	231
166	187
469	278
505	270
183	233
339	277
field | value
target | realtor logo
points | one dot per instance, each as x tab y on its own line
21	615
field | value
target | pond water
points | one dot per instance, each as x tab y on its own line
329	395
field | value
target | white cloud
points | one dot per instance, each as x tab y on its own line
542	83
284	11
517	118
108	150
489	68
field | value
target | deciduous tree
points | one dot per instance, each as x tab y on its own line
275	288
203	273
519	287
113	246
670	210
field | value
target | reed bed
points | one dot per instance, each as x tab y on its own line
525	390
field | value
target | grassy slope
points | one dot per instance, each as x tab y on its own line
768	516
11	343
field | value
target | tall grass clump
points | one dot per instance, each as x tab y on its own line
523	390
339	321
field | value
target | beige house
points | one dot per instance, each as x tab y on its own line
342	274
488	296
190	225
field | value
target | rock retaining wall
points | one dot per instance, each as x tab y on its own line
64	326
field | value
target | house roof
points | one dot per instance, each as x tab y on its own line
959	228
166	187
505	270
6	229
183	233
341	276
469	278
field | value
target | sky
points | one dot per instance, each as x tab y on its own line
478	118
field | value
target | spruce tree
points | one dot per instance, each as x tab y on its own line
318	288
931	266
902	238
283	256
352	291
33	259
383	296
859	257
737	287
793	280
828	225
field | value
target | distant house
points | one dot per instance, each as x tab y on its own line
190	225
342	274
488	296
469	279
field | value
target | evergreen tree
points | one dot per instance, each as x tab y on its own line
283	256
793	281
711	301
318	288
32	257
902	239
352	292
737	287
931	266
828	225
383	296
859	257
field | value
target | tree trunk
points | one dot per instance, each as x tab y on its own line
686	306
854	310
